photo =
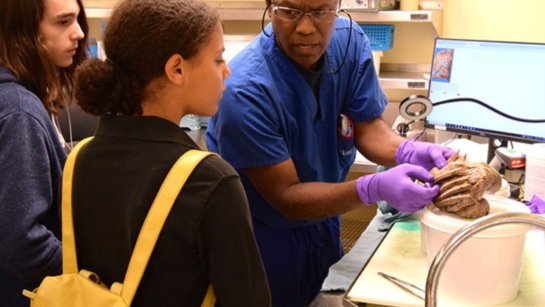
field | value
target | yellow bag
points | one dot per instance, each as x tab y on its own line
84	289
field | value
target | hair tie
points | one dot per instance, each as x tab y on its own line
117	84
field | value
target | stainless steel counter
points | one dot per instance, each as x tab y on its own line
400	254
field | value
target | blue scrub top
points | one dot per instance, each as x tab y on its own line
267	114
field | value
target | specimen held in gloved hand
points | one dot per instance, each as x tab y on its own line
463	185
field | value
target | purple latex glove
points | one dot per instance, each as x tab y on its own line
536	205
425	154
397	187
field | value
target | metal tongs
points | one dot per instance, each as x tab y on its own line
417	291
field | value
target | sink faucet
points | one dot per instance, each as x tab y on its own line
465	233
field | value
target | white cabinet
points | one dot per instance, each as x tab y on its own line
404	75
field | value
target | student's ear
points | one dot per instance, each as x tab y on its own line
174	69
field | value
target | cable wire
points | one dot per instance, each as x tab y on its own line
488	107
333	72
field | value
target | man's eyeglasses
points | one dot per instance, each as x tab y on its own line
291	14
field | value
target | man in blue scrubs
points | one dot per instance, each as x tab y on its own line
301	99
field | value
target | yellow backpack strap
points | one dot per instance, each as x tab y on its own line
157	215
210	298
69	256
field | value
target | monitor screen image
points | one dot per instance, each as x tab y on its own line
507	76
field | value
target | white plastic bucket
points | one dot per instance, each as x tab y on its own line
504	191
485	269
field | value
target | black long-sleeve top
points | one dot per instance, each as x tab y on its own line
207	237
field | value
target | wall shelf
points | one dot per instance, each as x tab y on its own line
403	80
398	80
404	76
433	16
97	12
390	78
251	10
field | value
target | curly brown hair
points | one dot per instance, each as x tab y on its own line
140	37
22	52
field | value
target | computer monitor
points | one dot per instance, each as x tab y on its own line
507	76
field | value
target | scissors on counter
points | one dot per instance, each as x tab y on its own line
417	291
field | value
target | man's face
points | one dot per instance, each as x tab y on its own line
306	39
60	31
